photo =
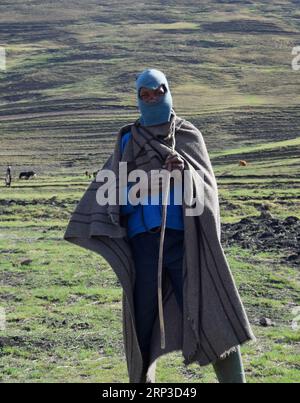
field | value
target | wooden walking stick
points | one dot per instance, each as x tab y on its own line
160	259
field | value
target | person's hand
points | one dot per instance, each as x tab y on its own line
174	161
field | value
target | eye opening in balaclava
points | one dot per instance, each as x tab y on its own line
161	85
154	113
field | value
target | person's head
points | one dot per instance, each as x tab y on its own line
153	97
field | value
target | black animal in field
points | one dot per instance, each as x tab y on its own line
27	175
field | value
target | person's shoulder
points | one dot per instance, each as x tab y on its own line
125	137
187	126
126	129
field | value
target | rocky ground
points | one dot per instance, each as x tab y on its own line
266	233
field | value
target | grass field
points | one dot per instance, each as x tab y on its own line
68	88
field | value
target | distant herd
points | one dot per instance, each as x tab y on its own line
26	175
90	175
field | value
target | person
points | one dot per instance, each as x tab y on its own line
178	290
8	177
144	226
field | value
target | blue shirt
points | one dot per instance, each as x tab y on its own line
141	218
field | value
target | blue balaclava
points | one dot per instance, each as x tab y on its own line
159	112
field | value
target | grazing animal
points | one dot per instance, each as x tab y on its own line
243	163
95	174
27	175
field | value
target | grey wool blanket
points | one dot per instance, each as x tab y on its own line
214	321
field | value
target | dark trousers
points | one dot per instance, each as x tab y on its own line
145	249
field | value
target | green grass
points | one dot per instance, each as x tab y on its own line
280	146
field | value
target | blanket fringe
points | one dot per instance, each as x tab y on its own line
190	358
228	352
